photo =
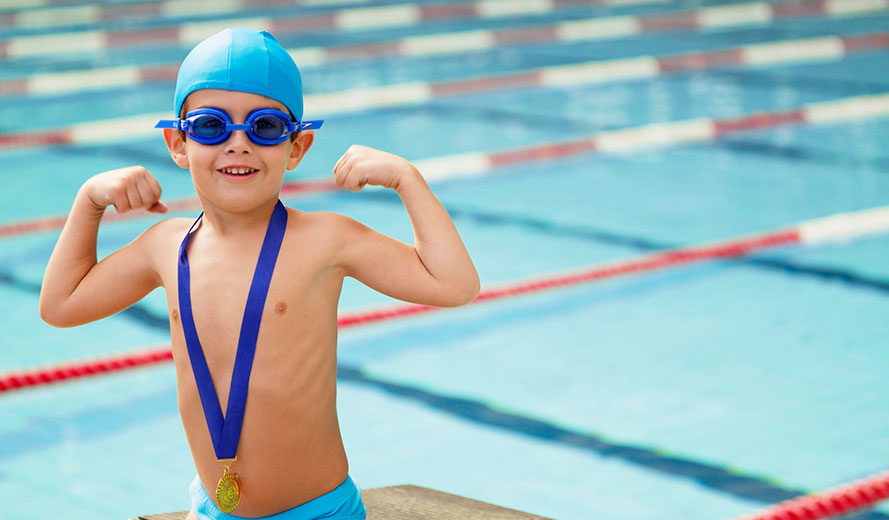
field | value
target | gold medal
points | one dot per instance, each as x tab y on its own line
228	490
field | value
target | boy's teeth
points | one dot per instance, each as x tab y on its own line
238	171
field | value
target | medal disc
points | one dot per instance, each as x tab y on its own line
228	492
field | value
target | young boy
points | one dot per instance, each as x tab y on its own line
249	261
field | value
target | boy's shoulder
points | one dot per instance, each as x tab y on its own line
320	221
164	233
323	228
169	227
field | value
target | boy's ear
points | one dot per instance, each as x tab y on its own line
176	146
299	147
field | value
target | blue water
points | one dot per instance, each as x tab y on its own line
696	392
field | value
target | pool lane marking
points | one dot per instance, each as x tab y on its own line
711	476
137	313
456	42
587	73
834	228
146	317
150	319
655	135
461	41
722	479
60	16
352	19
839	227
719	478
475	164
46	14
56	222
550	228
494	415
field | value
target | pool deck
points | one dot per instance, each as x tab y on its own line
414	503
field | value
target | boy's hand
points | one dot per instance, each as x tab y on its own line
126	189
361	165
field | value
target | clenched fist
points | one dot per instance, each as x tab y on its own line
361	165
126	189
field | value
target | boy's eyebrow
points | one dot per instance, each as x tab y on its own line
251	109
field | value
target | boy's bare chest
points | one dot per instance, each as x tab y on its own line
220	285
297	332
221	278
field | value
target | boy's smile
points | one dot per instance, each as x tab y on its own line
238	172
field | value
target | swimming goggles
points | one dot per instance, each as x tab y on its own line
264	126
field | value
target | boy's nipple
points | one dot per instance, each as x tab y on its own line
174	314
281	308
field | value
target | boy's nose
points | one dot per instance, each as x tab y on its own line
238	142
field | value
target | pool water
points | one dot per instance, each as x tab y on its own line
700	391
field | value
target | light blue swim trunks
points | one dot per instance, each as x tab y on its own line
343	503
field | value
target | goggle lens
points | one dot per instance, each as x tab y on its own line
269	127
207	126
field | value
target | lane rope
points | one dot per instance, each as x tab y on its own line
480	163
610	27
832	502
348	19
56	222
415	93
65	371
840	227
43	14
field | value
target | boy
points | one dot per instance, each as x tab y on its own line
281	456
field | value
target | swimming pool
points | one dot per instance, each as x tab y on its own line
700	391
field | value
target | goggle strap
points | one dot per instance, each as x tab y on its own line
168	123
310	125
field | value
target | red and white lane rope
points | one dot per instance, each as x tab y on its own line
74	370
480	163
845	226
56	222
738	15
658	135
351	19
62	13
594	72
833	502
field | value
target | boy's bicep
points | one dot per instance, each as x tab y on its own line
388	266
113	284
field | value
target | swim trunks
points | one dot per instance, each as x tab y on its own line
343	503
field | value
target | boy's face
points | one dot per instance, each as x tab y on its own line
216	169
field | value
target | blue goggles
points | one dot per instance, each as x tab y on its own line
264	126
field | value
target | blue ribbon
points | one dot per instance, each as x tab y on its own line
226	432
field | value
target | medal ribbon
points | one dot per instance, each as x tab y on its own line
226	432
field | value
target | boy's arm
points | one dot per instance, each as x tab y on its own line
437	269
76	289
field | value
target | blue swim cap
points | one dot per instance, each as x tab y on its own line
242	60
